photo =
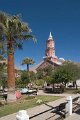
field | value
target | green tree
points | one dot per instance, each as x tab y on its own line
28	61
47	71
13	30
24	79
68	72
3	69
40	74
32	76
45	74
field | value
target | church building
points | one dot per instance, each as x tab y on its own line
50	57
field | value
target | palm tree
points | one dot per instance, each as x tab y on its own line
13	30
28	61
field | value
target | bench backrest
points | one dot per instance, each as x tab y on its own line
75	99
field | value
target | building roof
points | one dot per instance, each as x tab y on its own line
43	64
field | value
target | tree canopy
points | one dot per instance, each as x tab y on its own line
45	74
28	61
68	72
13	30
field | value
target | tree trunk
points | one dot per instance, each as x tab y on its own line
11	77
76	86
65	84
28	71
11	72
27	67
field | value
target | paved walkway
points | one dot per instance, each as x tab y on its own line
37	110
39	113
74	116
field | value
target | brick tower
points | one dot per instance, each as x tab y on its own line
50	58
50	50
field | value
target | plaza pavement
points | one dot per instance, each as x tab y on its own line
74	116
39	113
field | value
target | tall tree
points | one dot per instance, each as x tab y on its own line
28	61
13	30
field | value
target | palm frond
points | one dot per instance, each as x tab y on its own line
14	29
3	28
25	37
29	61
18	45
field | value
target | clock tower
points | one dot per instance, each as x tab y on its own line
50	58
50	49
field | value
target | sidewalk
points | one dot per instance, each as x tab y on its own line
39	113
37	110
74	116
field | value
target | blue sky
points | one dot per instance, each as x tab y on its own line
61	17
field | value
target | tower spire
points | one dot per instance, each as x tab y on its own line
50	36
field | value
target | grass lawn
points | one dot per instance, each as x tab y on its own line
25	103
72	90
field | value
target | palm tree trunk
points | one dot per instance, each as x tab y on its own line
11	72
27	67
28	71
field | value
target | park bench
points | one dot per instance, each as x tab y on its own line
60	109
59	112
3	94
50	89
58	90
76	103
75	106
3	97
